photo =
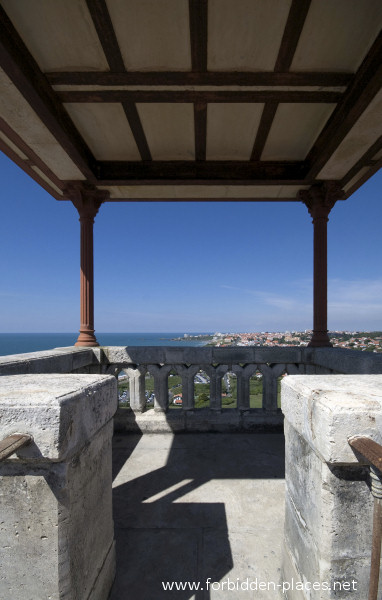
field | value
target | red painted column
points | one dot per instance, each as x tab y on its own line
319	200
87	201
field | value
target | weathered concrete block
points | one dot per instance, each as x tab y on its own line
59	411
327	410
56	530
328	514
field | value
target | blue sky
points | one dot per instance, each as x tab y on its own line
186	266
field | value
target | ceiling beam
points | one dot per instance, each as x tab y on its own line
200	121
372	170
108	39
366	84
22	69
265	125
220	78
293	28
137	129
32	158
367	160
147	96
294	25
202	172
198	14
106	34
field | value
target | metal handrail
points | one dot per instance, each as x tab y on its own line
12	443
372	451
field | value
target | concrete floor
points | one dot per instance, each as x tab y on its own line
188	507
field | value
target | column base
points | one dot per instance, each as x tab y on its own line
320	339
87	338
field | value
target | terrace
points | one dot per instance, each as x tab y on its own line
107	101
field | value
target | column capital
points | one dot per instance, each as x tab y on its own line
86	198
321	198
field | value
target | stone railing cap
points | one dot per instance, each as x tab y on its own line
328	409
61	411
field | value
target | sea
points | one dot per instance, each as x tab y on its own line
18	343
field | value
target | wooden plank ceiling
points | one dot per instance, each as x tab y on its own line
192	99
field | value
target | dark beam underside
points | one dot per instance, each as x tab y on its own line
219	78
181	199
200	120
190	172
367	160
366	84
293	28
25	74
198	11
266	121
189	96
106	34
137	129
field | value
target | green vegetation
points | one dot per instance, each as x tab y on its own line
202	400
255	392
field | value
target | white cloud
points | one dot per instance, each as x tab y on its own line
355	304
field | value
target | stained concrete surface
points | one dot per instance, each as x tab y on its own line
188	507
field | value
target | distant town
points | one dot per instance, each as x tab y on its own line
370	341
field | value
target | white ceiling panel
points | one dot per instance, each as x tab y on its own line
337	35
169	130
15	110
364	134
231	130
152	35
294	130
213	192
105	129
59	33
245	34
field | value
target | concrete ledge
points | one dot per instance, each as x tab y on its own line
199	420
61	412
344	360
59	360
327	410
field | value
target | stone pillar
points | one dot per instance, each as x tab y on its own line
56	526
87	201
328	504
319	200
137	388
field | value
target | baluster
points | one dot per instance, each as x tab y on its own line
160	375
270	375
137	388
216	374
187	374
243	375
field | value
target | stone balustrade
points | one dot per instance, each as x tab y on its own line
270	363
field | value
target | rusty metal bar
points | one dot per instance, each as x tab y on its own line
373	454
12	443
369	449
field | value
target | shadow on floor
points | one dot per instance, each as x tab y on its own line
189	507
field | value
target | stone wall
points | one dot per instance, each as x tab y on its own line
328	518
56	530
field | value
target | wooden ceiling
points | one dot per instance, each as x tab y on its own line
192	99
